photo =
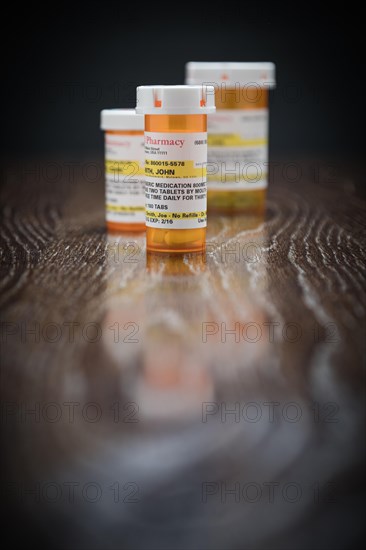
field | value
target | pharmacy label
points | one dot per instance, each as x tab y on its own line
175	180
124	175
238	149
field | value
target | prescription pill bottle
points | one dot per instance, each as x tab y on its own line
175	165
237	169
124	169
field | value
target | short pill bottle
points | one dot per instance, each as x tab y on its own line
237	169
175	165
124	169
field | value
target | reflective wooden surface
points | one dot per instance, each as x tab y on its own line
205	401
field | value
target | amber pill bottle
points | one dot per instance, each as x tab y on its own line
175	165
124	170
238	164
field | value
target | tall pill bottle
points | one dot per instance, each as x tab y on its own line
124	169
237	170
175	165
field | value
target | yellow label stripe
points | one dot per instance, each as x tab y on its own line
117	208
175	215
233	140
174	169
224	178
124	167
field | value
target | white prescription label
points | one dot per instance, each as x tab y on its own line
175	180
124	175
238	149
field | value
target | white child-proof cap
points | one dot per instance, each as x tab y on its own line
121	119
259	73
175	100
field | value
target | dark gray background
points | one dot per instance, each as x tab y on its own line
64	65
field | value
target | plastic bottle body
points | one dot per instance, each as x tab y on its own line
238	178
124	168
237	170
169	239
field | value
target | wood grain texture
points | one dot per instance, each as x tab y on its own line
127	364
